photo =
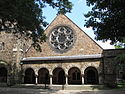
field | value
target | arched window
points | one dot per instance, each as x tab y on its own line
59	76
91	75
62	38
43	76
74	76
29	77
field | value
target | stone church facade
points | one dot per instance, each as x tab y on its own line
69	57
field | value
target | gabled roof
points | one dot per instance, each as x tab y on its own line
75	25
83	45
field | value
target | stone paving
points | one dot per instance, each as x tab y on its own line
43	91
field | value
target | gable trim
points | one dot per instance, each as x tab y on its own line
82	31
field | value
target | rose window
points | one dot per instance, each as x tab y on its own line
61	38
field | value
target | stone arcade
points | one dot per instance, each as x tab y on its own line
69	57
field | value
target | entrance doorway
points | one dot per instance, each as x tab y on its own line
91	75
3	75
43	76
29	77
74	76
58	76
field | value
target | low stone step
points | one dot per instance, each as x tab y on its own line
85	87
3	84
63	87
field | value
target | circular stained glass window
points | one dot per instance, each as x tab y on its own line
61	38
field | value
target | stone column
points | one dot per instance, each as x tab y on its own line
36	79
66	79
100	79
82	79
8	80
23	75
50	80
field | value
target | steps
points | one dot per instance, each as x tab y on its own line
34	86
3	84
85	87
63	87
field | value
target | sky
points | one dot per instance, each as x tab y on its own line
77	16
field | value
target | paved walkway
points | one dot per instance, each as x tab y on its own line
43	91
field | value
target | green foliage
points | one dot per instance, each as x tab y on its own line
107	18
25	17
121	58
119	45
62	6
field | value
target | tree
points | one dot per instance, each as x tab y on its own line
120	45
107	18
25	17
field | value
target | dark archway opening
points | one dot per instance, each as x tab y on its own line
29	77
91	75
3	75
59	76
43	76
74	76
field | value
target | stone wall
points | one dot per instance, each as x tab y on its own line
66	66
111	64
11	54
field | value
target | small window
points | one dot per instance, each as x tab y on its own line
2	45
76	75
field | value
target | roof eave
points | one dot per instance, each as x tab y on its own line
78	57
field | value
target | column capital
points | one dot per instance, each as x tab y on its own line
50	75
23	74
66	75
36	75
82	75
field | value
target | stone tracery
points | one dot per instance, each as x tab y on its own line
61	38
